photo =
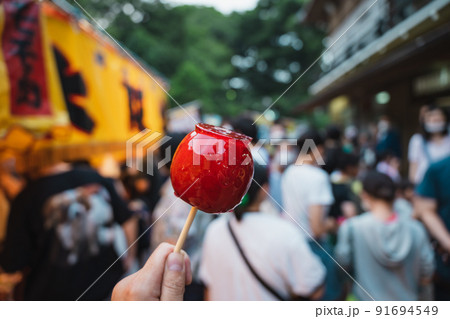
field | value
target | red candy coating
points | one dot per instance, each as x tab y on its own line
222	163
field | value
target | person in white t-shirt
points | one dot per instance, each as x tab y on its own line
430	146
273	247
307	196
306	188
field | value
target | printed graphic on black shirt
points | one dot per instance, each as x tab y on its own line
82	220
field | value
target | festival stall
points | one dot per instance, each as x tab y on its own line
68	91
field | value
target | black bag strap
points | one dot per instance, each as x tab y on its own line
252	270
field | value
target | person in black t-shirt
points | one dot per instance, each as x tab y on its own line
64	231
346	202
333	148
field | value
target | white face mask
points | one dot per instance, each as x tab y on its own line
434	127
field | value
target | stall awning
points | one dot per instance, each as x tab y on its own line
68	86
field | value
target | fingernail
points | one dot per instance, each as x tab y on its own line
175	262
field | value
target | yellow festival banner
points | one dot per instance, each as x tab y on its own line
65	85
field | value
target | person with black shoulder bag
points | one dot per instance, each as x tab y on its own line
261	256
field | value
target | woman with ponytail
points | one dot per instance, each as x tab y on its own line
389	254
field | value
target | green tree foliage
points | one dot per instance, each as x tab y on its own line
272	51
230	63
191	83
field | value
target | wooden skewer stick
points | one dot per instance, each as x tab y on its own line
184	232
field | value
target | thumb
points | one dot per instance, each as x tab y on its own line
174	279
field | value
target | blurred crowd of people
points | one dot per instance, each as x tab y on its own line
330	215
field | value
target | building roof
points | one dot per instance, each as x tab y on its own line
399	63
407	35
328	12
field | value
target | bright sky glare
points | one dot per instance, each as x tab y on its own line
224	6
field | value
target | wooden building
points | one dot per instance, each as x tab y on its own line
382	57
